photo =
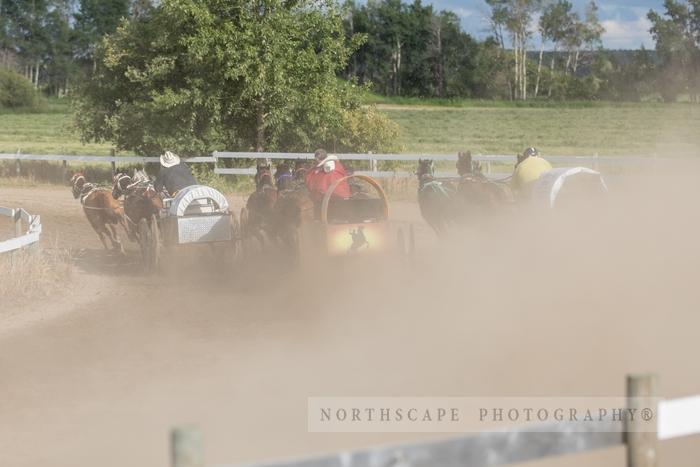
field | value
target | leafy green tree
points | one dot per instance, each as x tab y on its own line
93	20
677	36
200	75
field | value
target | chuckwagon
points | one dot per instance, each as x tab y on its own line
358	225
196	215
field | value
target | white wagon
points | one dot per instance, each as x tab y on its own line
196	215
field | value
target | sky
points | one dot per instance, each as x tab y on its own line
625	21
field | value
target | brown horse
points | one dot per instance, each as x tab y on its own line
101	209
141	201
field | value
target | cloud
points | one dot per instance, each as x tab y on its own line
621	34
464	13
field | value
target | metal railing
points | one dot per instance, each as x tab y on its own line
21	239
593	161
669	419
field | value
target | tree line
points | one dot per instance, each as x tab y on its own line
536	49
50	42
542	49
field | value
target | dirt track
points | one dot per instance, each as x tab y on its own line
98	377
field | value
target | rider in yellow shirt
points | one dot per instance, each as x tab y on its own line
528	169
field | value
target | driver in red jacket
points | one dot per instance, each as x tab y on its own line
327	171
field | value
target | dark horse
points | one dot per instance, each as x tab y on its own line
101	209
259	210
475	190
141	201
294	206
434	198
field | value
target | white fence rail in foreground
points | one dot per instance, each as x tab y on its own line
674	418
372	160
21	239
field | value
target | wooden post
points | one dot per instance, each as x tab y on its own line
640	438
18	164
186	447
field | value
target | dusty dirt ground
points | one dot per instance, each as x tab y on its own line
527	305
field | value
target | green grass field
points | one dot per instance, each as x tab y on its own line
576	128
48	132
643	129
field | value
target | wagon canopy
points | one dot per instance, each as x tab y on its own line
196	195
548	188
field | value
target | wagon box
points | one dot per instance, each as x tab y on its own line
356	226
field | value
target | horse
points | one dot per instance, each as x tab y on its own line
475	190
261	204
141	201
301	168
101	209
434	198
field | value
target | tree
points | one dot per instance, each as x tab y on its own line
677	36
516	16
556	23
197	75
93	20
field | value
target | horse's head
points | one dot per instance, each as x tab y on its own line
301	167
263	176
283	177
152	195
77	182
121	182
426	170
464	163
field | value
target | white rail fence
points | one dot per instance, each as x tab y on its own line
672	419
22	238
593	161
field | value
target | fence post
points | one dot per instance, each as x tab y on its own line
372	163
641	442
17	217
112	153
186	447
18	164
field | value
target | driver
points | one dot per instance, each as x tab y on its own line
528	169
327	171
174	175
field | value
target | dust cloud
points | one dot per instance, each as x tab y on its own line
519	303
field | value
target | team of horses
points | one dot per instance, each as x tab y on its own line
279	204
104	212
444	202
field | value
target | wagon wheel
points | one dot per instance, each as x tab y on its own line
154	242
145	243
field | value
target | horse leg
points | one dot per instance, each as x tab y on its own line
114	238
99	230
